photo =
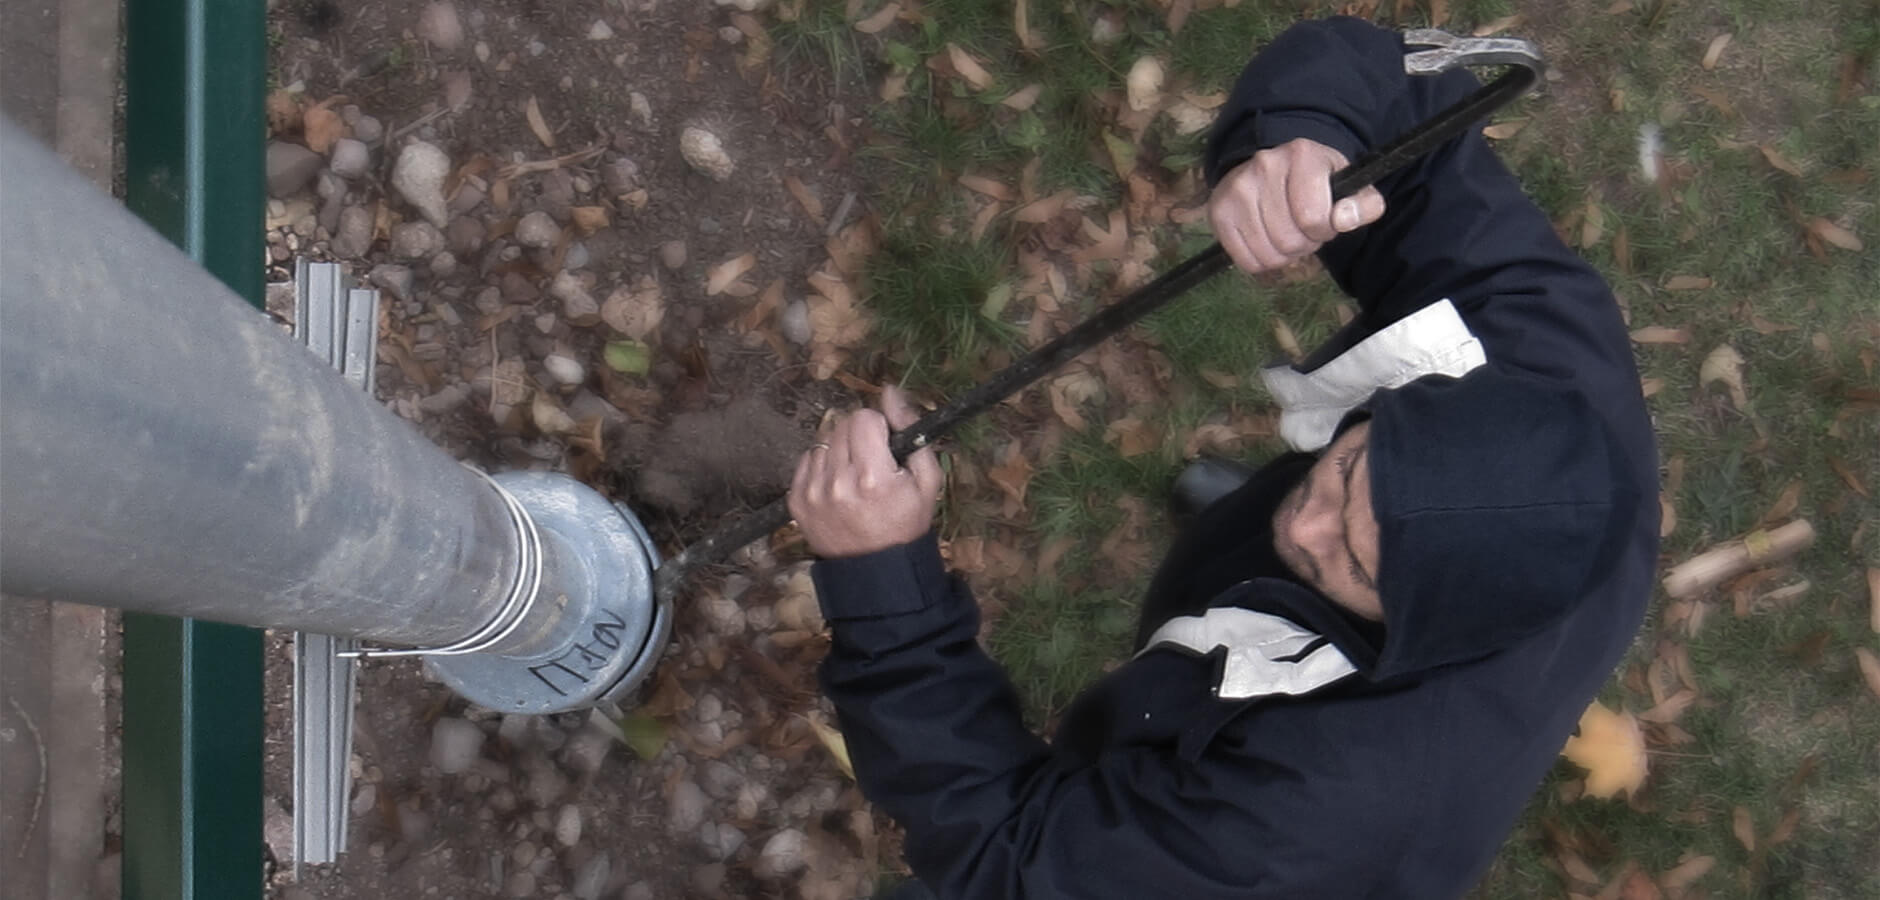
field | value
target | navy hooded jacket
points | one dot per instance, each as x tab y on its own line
1399	781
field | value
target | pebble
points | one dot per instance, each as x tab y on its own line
537	48
794	321
365	799
457	89
568	825
545	323
290	167
455	745
416	240
350	158
483	51
720	780
464	236
503	800
782	855
704	152
521	884
523	854
369	129
686	810
443	264
709	708
672	255
577	257
447	313
418	176
709	225
394	280
641	107
720	840
592	877
546	787
730	35
489	300
620	175
446	399
353	236
518	289
469	196
599	31
538	230
576	303
439	26
565	370
750	802
725	616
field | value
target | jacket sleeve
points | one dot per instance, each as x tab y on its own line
1457	224
935	732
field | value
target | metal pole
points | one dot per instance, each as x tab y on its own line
165	449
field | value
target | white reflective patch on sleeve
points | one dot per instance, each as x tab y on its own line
1431	341
1260	651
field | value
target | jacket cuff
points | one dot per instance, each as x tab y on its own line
899	580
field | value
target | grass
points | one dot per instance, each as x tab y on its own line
1779	693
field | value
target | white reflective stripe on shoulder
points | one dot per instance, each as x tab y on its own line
1431	341
1259	650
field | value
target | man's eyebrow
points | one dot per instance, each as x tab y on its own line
1351	465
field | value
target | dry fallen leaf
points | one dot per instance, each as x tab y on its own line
1021	26
1069	392
969	68
1671	709
589	219
1835	234
1131	436
1869	668
893	87
637	311
1776	159
1496	26
1680	877
832	741
1688	283
1873	598
1611	748
1661	334
1143	85
322	126
880	20
1639	886
1725	365
723	274
1715	51
1743	828
1012	476
1501	131
987	186
1848	476
532	111
812	206
1023	98
1592	224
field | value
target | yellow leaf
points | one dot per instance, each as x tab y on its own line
880	20
812	206
1743	828
1501	131
723	274
1724	364
1688	283
1834	234
1593	224
832	741
1021	26
589	219
1715	50
532	111
1869	668
1611	748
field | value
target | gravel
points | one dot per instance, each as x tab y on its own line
353	237
686	810
418	176
568	825
350	158
290	167
783	855
537	230
455	745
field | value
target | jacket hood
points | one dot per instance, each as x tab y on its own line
1501	499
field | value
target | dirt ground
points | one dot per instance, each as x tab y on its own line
494	341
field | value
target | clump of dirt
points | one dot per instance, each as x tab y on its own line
714	461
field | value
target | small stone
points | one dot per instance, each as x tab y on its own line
583	184
592	877
290	167
518	289
353	238
416	240
489	302
464	236
350	158
439	26
277	830
469	196
458	89
545	323
577	257
523	854
537	48
447	313
704	152
750	802
725	616
483	51
599	31
620	175
419	175
576	303
446	399
794	322
720	840
709	225
730	35
329	186
641	108
686	810
369	129
443	264
455	745
537	230
720	779
709	708
365	799
521	885
672	255
394	280
545	787
639	890
565	370
782	855
568	825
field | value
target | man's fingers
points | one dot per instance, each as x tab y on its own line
1281	232
867	439
1309	196
1227	231
1358	210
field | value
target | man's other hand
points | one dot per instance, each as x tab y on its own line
1277	207
850	498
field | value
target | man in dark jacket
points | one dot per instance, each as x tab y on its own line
1353	670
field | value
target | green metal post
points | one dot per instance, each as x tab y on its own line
195	72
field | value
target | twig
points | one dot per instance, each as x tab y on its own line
549	165
421	121
39	795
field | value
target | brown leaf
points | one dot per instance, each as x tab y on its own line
1677	879
882	18
637	311
1869	668
812	206
1725	365
1714	52
1639	886
589	219
322	126
1650	386
1785	829
1688	283
1848	476
981	184
1012	476
1670	710
893	87
968	68
723	274
1743	828
1576	867
1718	101
1592	224
532	111
1131	436
1044	209
1021	26
1661	334
1779	161
1069	392
284	115
1439	13
1496	26
1873	598
1501	131
1785	505
1023	98
1834	234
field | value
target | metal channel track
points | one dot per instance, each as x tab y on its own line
340	325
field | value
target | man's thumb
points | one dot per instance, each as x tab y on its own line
895	408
